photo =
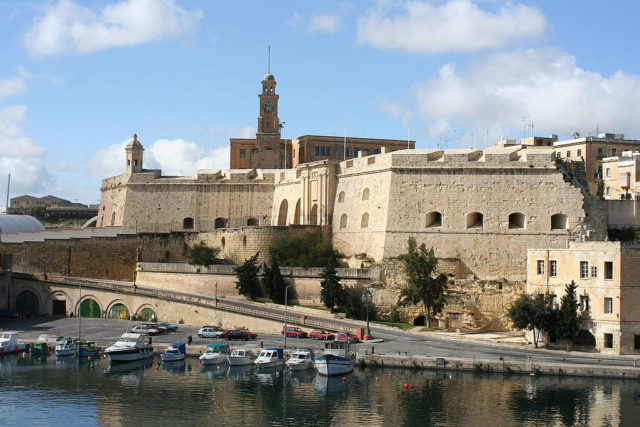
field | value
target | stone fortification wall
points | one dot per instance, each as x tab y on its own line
621	213
112	201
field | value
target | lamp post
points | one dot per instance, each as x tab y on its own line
284	329
366	298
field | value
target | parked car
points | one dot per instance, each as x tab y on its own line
145	330
295	332
252	335
162	329
343	336
236	334
321	335
210	332
170	327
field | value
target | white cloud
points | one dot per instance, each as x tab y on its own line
12	86
109	161
70	27
13	142
28	175
546	86
296	20
326	23
450	26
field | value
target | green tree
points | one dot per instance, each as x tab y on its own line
332	294
248	283
39	212
425	285
568	324
201	254
308	251
535	313
273	283
356	308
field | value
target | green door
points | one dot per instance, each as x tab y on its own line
89	308
147	315
119	311
27	303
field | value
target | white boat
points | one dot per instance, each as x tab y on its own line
174	353
269	358
129	347
9	342
215	354
337	358
241	357
300	360
67	347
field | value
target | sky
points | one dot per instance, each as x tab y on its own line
79	78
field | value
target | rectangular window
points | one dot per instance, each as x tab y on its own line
540	267
594	271
553	268
317	151
355	152
328	151
584	302
579	153
568	153
608	172
243	153
601	152
346	152
608	305
608	191
599	171
584	270
614	152
608	340
608	270
636	342
376	151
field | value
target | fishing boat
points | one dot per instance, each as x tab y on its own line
38	349
9	342
337	358
67	347
301	360
174	352
270	357
241	357
215	354
129	347
88	349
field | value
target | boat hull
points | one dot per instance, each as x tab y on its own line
87	353
172	357
269	364
300	366
213	360
329	365
129	355
62	352
240	361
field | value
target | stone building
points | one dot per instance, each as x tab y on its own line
621	176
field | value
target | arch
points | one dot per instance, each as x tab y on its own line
364	222
296	214
313	217
341	197
252	222
28	303
220	223
187	224
475	220
89	307
58	301
517	220
118	310
365	194
282	212
343	221
434	219
559	222
146	313
585	338
419	321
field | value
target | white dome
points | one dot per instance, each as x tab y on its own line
15	223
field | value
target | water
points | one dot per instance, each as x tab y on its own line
50	391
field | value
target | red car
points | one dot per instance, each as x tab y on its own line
295	332
252	335
321	335
342	336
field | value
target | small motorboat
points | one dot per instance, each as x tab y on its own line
129	347
337	358
174	353
67	347
241	357
270	357
38	349
301	360
88	349
9	342
215	354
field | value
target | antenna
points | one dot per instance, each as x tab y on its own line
269	59
409	131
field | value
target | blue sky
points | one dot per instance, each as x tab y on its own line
77	79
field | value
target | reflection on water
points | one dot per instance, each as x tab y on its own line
43	390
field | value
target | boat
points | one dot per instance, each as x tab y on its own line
9	342
337	358
129	347
270	357
174	352
241	357
215	354
38	349
301	360
67	347
88	349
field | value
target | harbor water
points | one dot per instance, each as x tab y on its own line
64	391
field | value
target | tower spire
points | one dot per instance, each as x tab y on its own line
269	59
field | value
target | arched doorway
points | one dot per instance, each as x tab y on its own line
313	217
147	315
27	303
282	212
419	321
118	311
89	308
296	215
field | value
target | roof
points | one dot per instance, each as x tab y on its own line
16	223
267	77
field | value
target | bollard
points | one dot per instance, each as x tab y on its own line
261	344
372	352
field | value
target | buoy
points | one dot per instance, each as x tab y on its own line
440	382
389	373
91	366
89	357
157	367
285	372
344	379
17	350
406	386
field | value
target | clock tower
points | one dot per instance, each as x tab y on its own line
268	152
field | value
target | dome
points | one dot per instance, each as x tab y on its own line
268	77
16	223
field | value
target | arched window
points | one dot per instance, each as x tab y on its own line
220	223
343	221
296	214
517	220
187	224
341	197
364	222
313	216
475	220
559	222
365	194
434	219
253	222
282	212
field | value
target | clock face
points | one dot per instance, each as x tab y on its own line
268	106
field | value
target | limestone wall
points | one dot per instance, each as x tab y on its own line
112	201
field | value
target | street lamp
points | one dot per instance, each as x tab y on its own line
284	330
366	298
